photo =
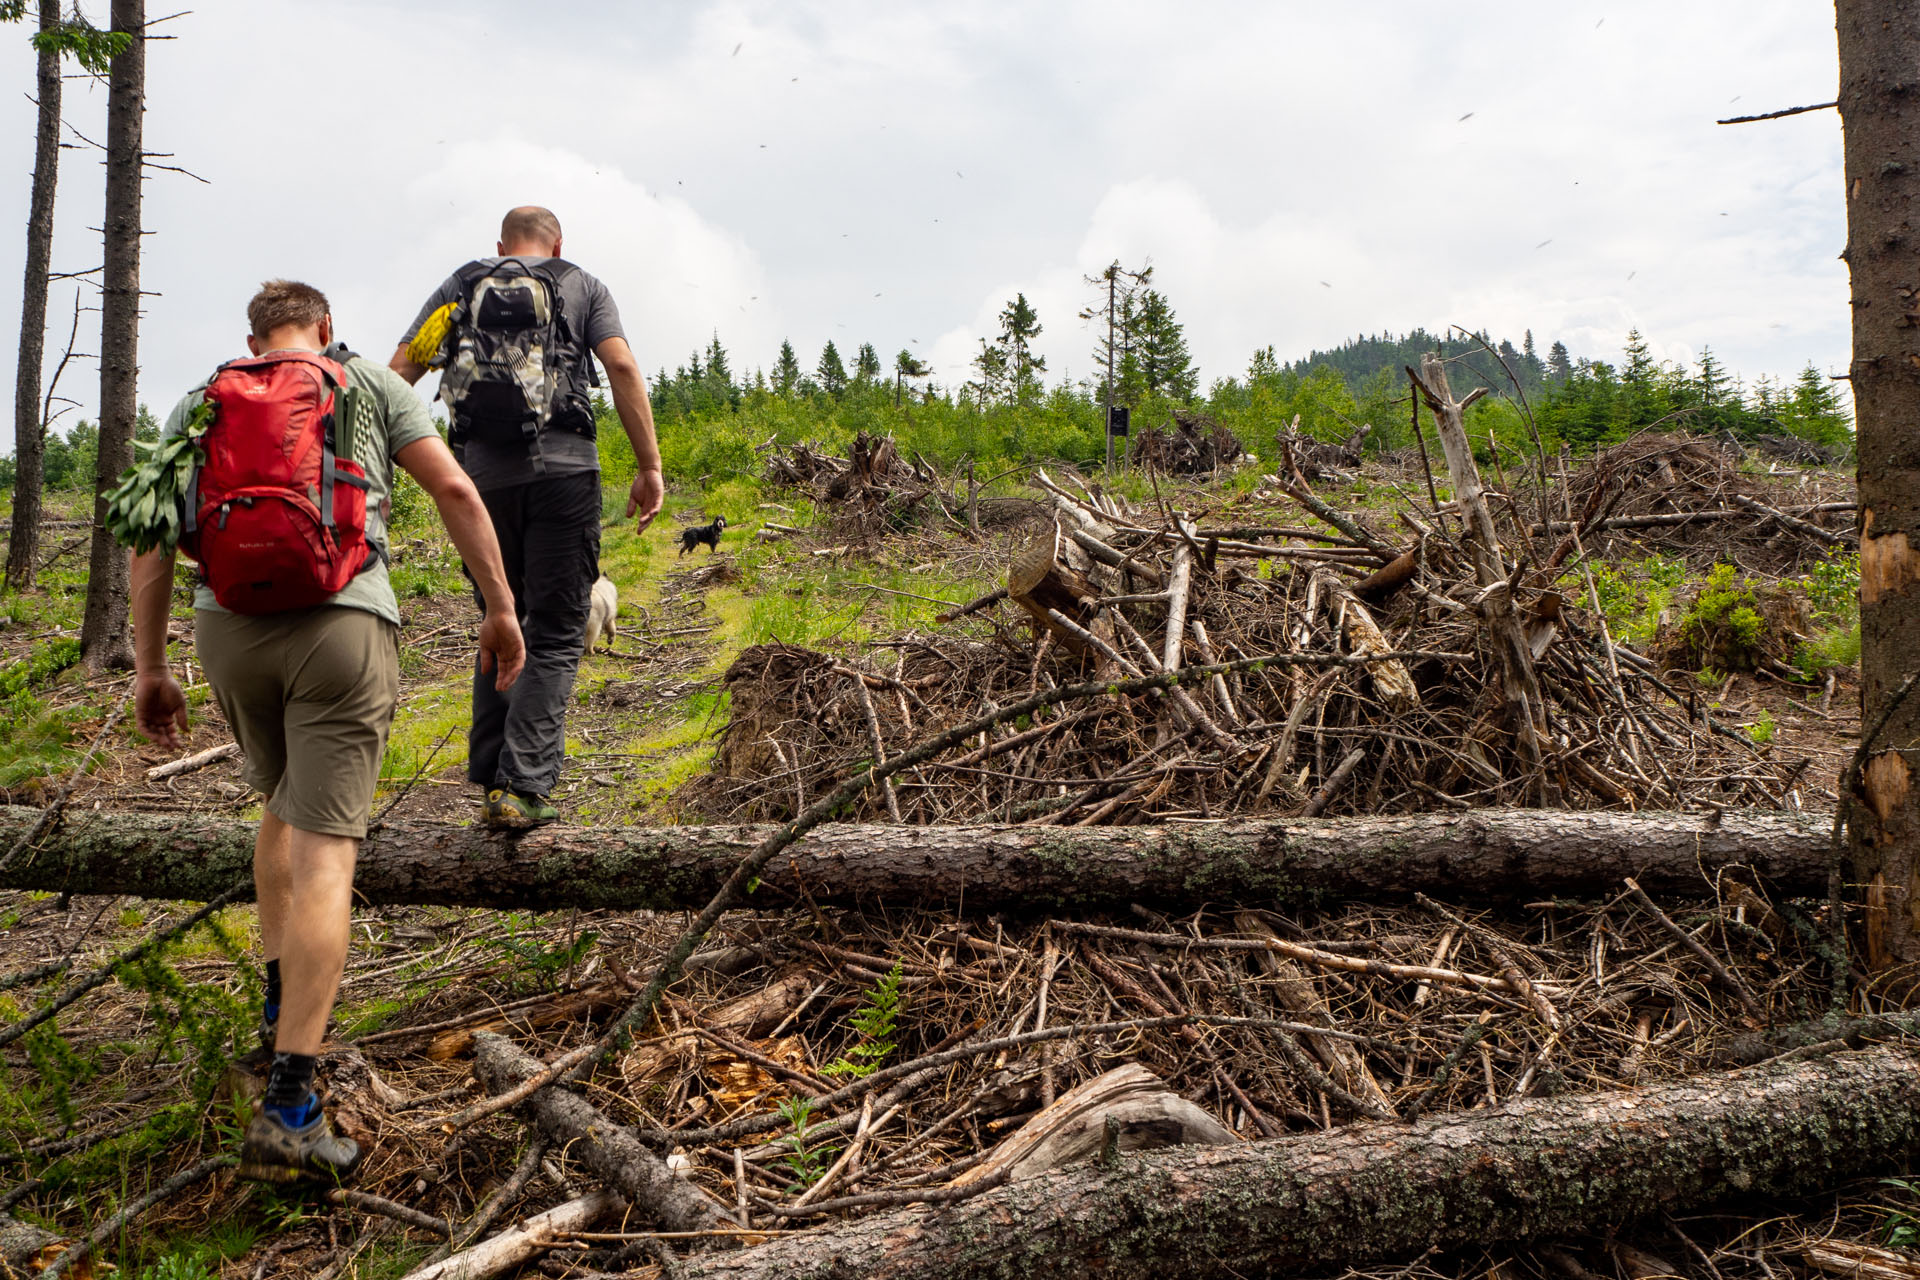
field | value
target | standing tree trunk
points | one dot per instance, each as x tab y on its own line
1520	684
29	425
1879	77
103	636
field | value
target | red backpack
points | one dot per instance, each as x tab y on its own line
275	518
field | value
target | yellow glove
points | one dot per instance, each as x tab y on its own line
425	346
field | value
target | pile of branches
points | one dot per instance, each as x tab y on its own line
871	491
875	491
1190	444
1303	456
1359	676
820	1070
1686	496
1797	450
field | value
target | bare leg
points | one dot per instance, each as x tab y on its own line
313	936
272	882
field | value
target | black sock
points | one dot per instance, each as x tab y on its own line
273	991
289	1080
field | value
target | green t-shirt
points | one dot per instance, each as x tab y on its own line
400	419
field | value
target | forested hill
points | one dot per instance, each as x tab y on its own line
1580	401
1359	359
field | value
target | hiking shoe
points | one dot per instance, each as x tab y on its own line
510	809
276	1152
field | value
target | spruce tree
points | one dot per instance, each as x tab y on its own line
1711	383
1019	326
786	370
719	378
1814	410
1165	366
1559	364
831	371
1638	376
866	364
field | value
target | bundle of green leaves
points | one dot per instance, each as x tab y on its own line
147	510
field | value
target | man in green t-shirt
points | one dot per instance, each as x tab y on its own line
309	695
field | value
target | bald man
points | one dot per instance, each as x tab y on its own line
514	337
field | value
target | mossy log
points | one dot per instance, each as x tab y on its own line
1523	1171
1285	861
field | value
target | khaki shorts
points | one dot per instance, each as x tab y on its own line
310	698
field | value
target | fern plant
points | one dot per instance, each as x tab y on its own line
875	1021
808	1163
539	961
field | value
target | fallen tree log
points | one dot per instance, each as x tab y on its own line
611	1152
1491	852
1524	1171
523	1242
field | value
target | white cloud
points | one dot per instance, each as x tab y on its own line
672	272
864	170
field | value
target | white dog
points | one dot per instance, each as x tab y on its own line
603	615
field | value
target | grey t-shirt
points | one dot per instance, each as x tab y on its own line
400	420
592	316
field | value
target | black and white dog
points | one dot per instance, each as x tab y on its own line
707	533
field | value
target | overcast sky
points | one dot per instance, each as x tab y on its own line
1297	173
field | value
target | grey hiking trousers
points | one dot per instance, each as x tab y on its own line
549	532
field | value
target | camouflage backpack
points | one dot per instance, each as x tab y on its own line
511	367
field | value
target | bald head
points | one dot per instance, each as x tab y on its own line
530	230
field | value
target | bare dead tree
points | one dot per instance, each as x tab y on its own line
1880	108
103	634
29	427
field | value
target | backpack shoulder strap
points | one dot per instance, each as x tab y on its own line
554	271
323	361
473	272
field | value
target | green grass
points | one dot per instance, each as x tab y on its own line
1833	604
1833	648
429	734
1635	594
41	736
364	1016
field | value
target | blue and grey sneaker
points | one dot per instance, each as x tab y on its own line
285	1146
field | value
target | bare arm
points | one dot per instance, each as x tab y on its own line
405	367
159	705
431	463
630	401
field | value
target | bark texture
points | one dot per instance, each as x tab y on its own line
1880	106
612	1153
1525	1171
1288	861
29	425
523	1242
103	631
